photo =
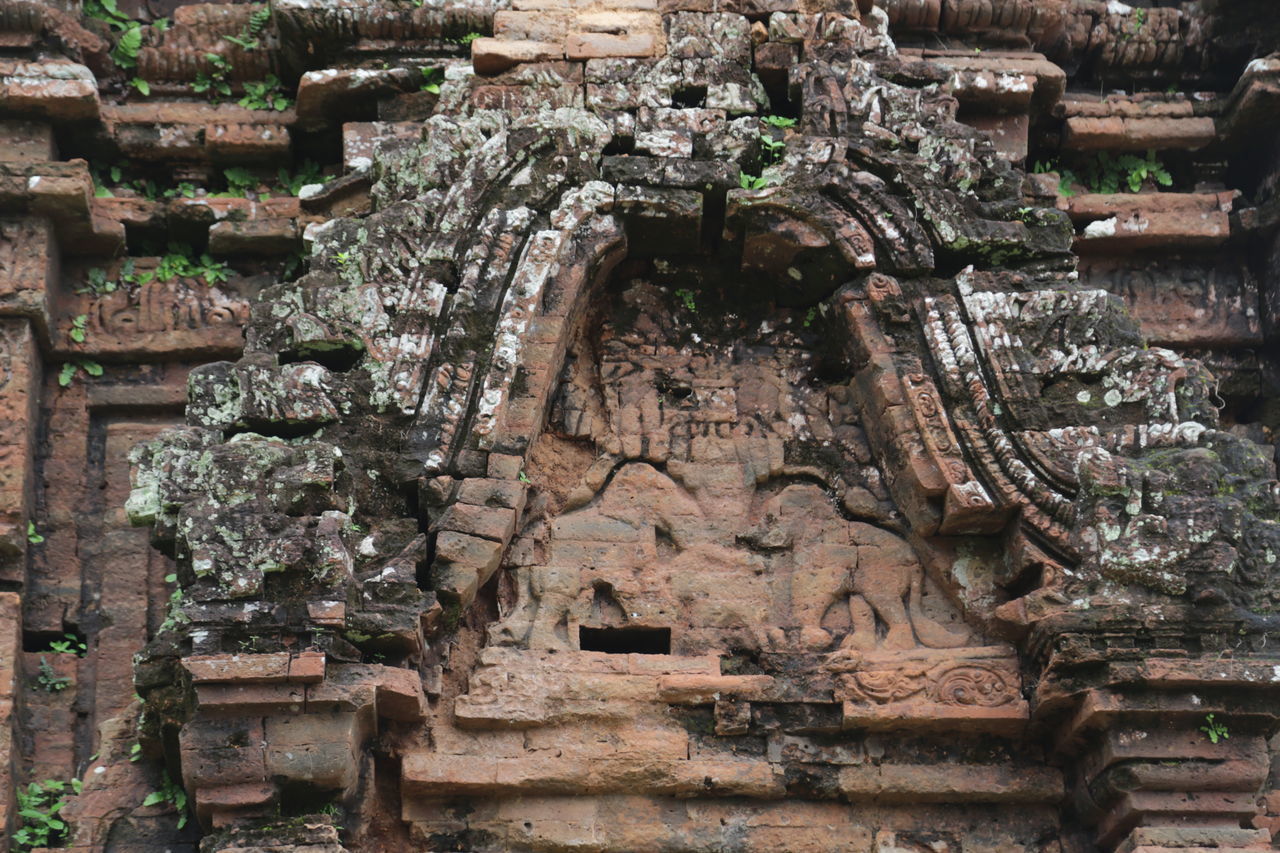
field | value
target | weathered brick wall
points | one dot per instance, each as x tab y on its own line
637	426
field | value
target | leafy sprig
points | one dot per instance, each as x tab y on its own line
69	645
267	95
431	79
217	82
1109	174
308	172
40	806
79	328
170	792
48	680
71	368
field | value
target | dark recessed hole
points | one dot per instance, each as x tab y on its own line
741	662
336	359
275	429
1028	581
623	641
52	641
139	238
300	798
690	96
619	145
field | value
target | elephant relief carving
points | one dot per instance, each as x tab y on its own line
871	571
892	593
643	553
648	552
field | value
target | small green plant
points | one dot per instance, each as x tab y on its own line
772	148
1066	177
115	176
308	172
1139	21
184	189
1108	174
467	39
524	478
267	95
1214	730
135	753
70	645
40	805
97	283
341	258
294	265
79	328
771	152
32	536
127	46
431	80
175	615
47	678
143	87
217	81
810	316
240	182
71	368
129	31
171	793
249	37
687	300
181	262
101	175
105	10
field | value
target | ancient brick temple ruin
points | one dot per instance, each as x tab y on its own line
639	425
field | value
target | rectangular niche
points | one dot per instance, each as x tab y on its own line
625	641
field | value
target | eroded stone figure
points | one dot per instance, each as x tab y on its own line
701	521
887	585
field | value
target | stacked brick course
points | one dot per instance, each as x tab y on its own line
673	425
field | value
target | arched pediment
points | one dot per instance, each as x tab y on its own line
819	416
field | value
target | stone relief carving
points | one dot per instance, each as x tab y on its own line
886	584
951	680
166	306
732	495
693	519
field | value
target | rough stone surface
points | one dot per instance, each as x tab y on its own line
623	425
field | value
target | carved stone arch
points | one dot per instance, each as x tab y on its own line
355	481
851	215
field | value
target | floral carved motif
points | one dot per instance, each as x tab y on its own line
908	688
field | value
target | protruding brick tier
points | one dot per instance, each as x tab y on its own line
539	728
629	425
1164	744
